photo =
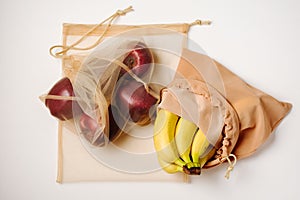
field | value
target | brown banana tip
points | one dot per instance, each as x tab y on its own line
192	170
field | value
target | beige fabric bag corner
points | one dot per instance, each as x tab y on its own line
75	163
248	115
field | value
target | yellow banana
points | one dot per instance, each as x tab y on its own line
164	137
170	167
199	146
184	135
208	156
181	146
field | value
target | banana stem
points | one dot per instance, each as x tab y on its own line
192	170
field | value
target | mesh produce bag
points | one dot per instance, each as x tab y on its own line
92	59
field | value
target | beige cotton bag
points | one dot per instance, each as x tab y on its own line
236	117
78	161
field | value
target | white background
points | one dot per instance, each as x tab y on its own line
258	40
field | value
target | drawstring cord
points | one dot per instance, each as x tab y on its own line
65	49
231	164
200	22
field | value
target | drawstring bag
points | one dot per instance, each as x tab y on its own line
235	117
91	57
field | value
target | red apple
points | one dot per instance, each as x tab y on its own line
88	127
87	123
138	60
62	109
135	102
116	123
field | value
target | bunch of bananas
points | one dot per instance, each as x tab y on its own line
181	146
